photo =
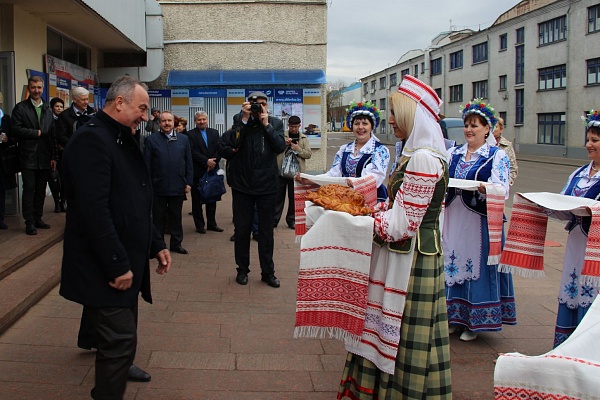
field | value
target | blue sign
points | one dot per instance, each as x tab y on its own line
63	83
288	96
208	92
159	93
268	92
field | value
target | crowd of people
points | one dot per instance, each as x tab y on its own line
434	263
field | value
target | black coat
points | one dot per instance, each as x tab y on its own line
9	181
66	121
200	153
35	152
253	168
109	227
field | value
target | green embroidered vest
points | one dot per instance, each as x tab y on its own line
428	237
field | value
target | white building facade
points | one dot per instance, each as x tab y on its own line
538	65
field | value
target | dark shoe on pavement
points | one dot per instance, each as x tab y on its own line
241	278
232	238
41	225
255	236
179	249
271	280
3	225
57	208
215	228
138	375
30	228
201	230
190	213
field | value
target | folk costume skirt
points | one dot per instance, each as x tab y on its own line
422	368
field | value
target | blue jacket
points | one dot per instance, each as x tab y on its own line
169	163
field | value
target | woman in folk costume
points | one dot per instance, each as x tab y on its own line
366	155
574	297
479	297
404	351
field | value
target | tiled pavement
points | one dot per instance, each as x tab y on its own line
206	337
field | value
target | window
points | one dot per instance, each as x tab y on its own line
503	41
436	66
520	36
393	79
404	72
520	64
480	53
519	106
374	102
382	82
593	71
456	60
553	30
480	90
416	69
551	128
423	67
594	19
552	77
502	79
438	91
382	104
67	50
456	93
373	86
382	127
365	88
502	115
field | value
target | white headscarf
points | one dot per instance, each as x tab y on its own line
425	135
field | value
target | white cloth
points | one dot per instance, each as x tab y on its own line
570	371
425	136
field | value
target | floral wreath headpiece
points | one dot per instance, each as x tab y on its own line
363	108
592	119
477	106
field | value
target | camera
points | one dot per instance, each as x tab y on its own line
255	107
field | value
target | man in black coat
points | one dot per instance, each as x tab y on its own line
109	235
33	124
205	145
253	176
79	110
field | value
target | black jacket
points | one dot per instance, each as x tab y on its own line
66	121
109	227
35	152
253	168
201	153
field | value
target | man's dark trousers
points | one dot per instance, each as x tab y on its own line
34	193
171	205
243	205
211	209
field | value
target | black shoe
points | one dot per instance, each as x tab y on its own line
138	375
242	278
85	346
215	228
255	236
41	225
56	208
232	238
201	230
190	213
292	225
179	250
3	225
271	280
30	228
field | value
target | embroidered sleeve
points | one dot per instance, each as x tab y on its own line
379	165
412	200
336	168
501	171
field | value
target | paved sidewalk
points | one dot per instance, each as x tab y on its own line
206	337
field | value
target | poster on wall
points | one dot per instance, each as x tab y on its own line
61	72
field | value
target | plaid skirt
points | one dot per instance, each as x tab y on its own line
422	369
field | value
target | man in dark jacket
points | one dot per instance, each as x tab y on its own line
253	177
32	123
205	145
79	110
169	159
109	235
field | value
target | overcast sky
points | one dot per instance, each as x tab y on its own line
365	36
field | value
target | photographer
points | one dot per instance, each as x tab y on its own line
253	177
297	143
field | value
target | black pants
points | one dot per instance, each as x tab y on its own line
211	210
243	216
170	205
115	331
34	193
286	185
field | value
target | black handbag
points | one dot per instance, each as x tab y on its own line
9	157
211	187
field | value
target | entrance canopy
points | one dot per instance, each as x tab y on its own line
240	77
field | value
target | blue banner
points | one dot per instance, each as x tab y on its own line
288	96
159	93
208	92
268	92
